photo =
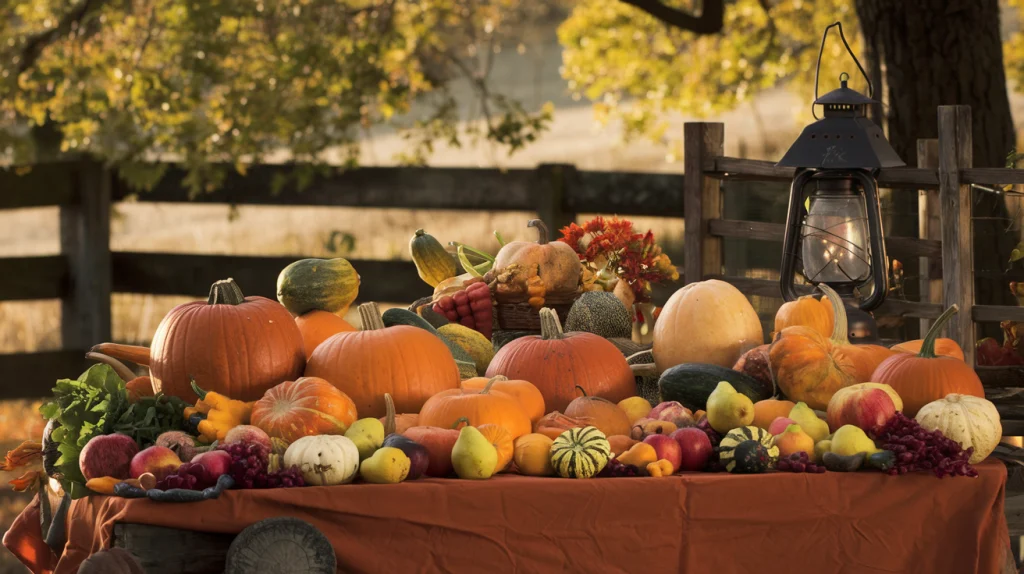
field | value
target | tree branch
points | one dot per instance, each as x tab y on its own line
710	21
35	44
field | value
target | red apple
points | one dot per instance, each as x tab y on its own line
695	448
107	455
666	448
673	412
157	460
248	434
215	462
779	425
867	408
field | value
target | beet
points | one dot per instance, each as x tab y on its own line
108	455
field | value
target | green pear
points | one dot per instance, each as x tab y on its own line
728	409
368	434
388	465
473	456
804	416
850	440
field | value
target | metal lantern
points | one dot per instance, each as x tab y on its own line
834	222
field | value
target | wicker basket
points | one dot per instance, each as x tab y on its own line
523	317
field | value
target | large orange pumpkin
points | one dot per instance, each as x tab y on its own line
485	406
408	362
528	395
807	311
235	345
943	347
304	407
317	326
925	377
557	362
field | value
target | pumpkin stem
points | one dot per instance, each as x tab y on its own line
550	326
120	368
495	379
369	315
420	233
389	420
131	353
582	390
225	292
459	422
542	230
928	344
840	330
195	388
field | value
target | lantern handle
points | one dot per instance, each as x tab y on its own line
817	69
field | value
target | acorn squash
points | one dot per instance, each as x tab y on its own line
747	460
580	452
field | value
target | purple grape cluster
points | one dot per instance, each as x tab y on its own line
284	478
799	462
919	449
248	462
190	476
615	469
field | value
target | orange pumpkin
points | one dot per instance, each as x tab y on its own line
807	311
555	263
317	326
809	367
925	377
304	407
408	362
238	346
943	347
485	406
555	423
528	395
607	416
394	423
557	362
502	441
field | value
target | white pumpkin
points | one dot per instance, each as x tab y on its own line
705	322
971	421
324	460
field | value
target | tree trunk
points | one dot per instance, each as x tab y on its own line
943	52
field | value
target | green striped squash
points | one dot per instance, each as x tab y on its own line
580	452
746	460
318	284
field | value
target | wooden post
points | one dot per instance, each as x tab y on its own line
556	180
702	199
85	242
957	244
929	226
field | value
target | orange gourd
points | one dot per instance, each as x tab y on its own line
807	311
501	439
485	406
943	347
556	362
408	362
304	407
528	395
397	423
607	416
532	453
555	423
809	367
317	326
925	377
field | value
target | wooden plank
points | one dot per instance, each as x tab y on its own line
40	185
955	195
32	375
85	243
1001	377
929	227
902	308
736	168
163	550
625	193
702	199
997	313
192	275
992	176
764	231
556	182
41	277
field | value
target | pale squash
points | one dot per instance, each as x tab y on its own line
970	421
324	460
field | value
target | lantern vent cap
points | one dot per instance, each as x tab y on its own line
844	95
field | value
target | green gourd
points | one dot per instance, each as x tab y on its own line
580	453
433	263
318	284
600	313
730	455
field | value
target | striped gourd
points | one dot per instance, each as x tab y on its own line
580	452
727	449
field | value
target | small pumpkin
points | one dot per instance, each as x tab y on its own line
749	459
532	454
556	263
408	362
926	377
528	395
139	387
620	443
478	347
943	348
397	423
706	322
580	453
607	416
557	362
304	407
433	263
317	326
479	407
318	284
502	441
817	314
602	314
439	443
555	423
324	460
971	421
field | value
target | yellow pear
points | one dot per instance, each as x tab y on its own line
821	447
850	439
635	408
368	434
804	416
387	465
473	456
728	409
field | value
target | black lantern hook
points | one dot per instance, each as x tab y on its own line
817	69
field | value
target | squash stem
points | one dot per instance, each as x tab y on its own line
840	330
582	390
550	326
389	420
501	240
198	391
131	353
542	230
460	421
494	379
120	368
225	292
928	344
369	316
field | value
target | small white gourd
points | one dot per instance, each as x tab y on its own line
324	460
970	421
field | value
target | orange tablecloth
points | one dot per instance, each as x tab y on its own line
834	522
